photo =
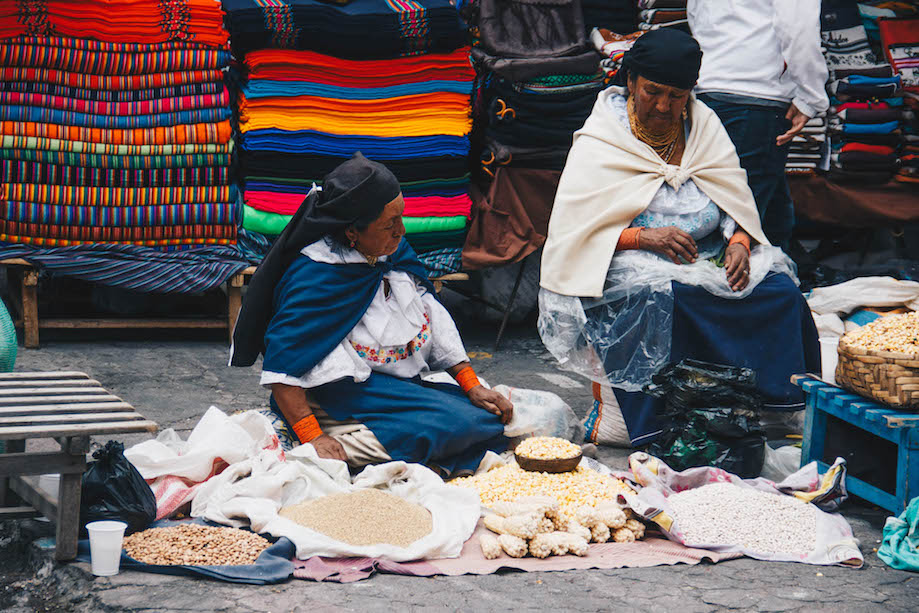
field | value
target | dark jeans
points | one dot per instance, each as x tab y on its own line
753	129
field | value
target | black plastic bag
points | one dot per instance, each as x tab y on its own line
114	490
710	418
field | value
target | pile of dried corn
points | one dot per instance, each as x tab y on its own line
364	517
534	525
195	545
896	333
547	448
573	490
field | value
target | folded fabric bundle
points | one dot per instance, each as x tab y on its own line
12	171
268	88
844	36
109	82
98	95
341	145
869	115
440	262
849	127
116	21
871	70
76	146
112	122
361	28
67	158
167	244
416	225
651	16
875	149
314	167
202	133
96	107
443	188
423	242
115	196
845	91
119	216
116	60
858	160
133	234
900	39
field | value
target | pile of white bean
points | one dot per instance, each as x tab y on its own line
725	514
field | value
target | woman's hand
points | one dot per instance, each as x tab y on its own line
737	266
491	401
670	242
327	447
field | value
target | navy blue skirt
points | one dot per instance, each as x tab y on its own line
770	331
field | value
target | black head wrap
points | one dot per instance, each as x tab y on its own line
356	192
666	56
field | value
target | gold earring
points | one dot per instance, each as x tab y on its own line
352	244
685	113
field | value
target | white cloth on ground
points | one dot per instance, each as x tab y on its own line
404	333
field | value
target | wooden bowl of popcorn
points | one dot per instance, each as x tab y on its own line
548	454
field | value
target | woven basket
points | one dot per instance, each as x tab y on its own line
888	377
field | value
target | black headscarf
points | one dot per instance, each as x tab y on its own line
357	191
666	56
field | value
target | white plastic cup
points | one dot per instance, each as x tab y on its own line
50	484
105	546
829	357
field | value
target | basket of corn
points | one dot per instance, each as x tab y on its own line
548	454
880	361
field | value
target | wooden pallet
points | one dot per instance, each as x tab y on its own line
25	307
69	407
898	427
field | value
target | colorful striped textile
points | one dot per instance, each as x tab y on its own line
338	145
106	122
265	89
77	146
128	95
359	29
108	161
97	107
199	133
101	234
136	268
93	61
440	262
110	82
115	196
163	215
425	206
89	44
117	21
12	171
40	241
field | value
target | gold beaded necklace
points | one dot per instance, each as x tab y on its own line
663	144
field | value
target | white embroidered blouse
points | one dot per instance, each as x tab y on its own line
404	333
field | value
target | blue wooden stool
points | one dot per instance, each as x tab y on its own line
898	427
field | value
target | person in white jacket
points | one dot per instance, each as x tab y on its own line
763	73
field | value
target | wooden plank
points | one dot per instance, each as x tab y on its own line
51	391
34	463
23	512
11	447
69	419
19	432
902	421
50	409
63	374
29	291
118	324
51	383
68	517
27	489
41	400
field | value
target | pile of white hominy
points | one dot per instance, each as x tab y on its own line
726	514
895	333
195	545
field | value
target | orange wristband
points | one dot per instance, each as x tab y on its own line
307	429
742	239
628	240
467	379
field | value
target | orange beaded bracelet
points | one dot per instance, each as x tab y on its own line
307	429
742	239
628	240
467	379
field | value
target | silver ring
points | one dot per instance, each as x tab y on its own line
746	272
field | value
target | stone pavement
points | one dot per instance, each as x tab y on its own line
174	381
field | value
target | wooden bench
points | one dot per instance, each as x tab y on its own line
25	307
68	407
898	427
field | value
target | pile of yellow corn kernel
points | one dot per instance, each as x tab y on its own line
547	448
574	489
896	333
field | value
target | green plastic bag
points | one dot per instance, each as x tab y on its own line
901	539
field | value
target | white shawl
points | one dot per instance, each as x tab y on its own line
611	177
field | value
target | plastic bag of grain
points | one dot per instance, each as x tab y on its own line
254	492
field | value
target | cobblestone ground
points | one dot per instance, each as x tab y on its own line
174	381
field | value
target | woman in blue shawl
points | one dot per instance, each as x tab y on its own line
348	322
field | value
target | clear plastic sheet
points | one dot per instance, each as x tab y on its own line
623	337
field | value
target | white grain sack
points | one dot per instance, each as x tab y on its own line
725	514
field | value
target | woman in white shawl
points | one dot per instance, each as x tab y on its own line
655	250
